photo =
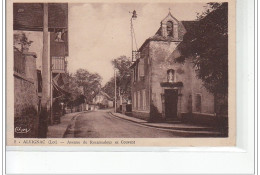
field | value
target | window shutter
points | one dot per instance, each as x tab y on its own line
141	68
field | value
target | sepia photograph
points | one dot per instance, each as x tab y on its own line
121	70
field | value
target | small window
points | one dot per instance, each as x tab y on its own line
198	103
60	35
169	25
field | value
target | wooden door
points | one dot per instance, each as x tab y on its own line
171	101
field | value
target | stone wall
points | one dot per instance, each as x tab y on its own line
26	100
207	98
159	56
162	54
25	96
141	115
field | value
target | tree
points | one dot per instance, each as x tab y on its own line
123	78
72	87
21	41
207	47
90	82
82	85
109	87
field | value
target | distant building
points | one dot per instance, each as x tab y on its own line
103	100
163	89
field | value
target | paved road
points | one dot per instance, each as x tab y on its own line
100	124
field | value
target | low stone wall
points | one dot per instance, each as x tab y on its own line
204	119
141	115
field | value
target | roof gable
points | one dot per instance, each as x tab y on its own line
169	17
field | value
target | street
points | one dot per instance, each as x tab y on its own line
101	124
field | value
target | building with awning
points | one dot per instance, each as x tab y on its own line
52	20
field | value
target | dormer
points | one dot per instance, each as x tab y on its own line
170	27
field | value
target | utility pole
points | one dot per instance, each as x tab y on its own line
134	16
45	76
51	95
115	88
120	97
45	61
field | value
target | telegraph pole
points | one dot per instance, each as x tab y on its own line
45	61
134	16
115	88
45	76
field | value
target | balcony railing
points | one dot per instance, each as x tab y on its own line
19	62
58	64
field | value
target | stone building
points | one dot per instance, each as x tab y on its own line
163	89
103	100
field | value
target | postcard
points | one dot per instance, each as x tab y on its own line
121	73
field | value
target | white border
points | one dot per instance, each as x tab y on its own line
2	87
221	160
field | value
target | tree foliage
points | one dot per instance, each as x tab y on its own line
82	84
207	45
72	87
123	78
89	82
21	41
109	87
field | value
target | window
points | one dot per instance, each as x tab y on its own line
134	100
141	68
169	25
133	76
136	72
198	103
138	100
59	35
144	99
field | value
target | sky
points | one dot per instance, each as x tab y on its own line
100	32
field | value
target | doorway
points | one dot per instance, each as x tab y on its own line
171	101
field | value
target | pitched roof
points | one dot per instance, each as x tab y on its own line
185	26
104	94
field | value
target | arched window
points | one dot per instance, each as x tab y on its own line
169	25
170	75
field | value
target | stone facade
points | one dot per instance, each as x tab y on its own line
26	98
156	76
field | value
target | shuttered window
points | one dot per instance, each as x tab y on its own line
134	100
141	68
138	100
144	99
